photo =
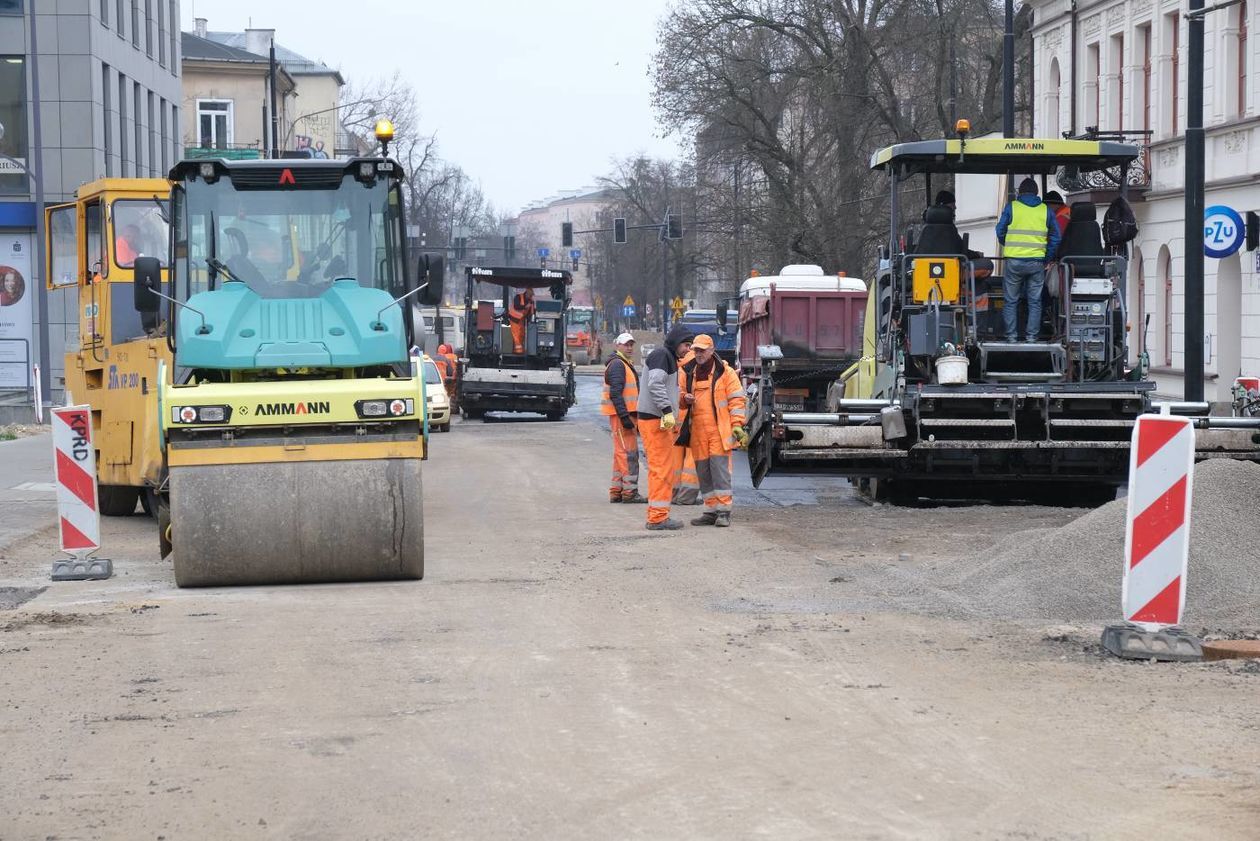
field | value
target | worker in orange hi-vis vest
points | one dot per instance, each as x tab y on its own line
714	406
520	311
619	405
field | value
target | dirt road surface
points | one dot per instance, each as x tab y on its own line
562	673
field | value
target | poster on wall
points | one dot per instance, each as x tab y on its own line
17	349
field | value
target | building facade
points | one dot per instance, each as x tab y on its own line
88	89
539	225
309	122
227	97
1122	67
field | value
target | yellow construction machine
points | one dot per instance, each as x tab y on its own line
280	415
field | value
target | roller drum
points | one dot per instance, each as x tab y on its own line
297	522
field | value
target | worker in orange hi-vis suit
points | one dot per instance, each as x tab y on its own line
658	421
714	407
448	364
619	405
520	311
686	483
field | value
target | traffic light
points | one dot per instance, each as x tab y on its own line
509	249
575	264
566	234
673	225
619	231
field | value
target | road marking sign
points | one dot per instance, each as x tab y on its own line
78	505
1157	533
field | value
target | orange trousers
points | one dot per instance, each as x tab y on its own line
518	336
664	460
713	459
686	483
625	472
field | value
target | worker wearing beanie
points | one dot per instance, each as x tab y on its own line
620	403
658	421
1030	237
713	425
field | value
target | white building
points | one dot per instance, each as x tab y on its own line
1122	67
539	223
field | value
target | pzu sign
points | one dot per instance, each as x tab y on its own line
1223	231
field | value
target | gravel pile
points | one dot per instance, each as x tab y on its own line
1072	573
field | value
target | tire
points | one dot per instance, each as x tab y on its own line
164	524
118	500
555	416
446	427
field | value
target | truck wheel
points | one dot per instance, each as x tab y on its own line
555	416
118	500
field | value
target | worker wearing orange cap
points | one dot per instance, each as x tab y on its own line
520	311
686	483
713	425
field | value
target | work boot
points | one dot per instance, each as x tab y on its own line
665	525
708	518
723	519
636	497
614	499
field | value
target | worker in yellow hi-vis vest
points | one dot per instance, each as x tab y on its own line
1029	236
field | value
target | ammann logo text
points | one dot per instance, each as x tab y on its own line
311	407
1025	147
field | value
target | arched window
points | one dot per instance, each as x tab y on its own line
1166	304
1052	100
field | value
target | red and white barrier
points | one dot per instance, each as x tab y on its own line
78	509
1157	535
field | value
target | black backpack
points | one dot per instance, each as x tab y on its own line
1119	224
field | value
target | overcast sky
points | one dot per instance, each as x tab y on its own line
528	97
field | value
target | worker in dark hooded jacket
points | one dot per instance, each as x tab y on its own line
658	422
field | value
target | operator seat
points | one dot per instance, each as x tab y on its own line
1083	238
939	235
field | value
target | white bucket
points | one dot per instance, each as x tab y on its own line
951	370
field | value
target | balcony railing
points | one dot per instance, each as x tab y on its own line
1138	176
230	152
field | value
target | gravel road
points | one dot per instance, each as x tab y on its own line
561	673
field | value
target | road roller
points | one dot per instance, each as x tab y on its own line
292	422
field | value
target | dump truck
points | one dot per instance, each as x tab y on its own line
799	332
941	406
92	243
291	417
494	376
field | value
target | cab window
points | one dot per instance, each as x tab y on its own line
63	252
93	235
140	230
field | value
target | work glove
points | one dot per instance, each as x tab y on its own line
627	422
668	421
741	436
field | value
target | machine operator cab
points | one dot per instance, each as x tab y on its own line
937	308
515	317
